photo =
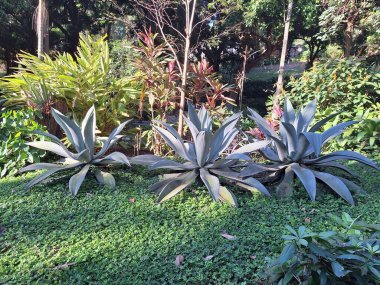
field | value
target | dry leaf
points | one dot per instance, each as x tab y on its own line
132	200
64	266
252	257
208	257
227	236
179	259
307	220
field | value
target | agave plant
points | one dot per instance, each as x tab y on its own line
83	139
297	150
202	158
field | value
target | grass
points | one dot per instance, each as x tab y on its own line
122	236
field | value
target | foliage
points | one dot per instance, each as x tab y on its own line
297	150
347	85
79	82
16	129
203	158
348	256
83	139
122	57
96	236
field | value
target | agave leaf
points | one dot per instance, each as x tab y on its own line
88	130
226	142
174	186
336	184
145	159
322	122
335	131
49	172
315	141
343	155
252	147
307	178
237	156
190	149
113	158
193	116
55	139
254	168
204	118
269	154
308	114
77	179
221	163
192	127
52	147
173	143
299	123
83	156
338	166
226	195
40	166
201	144
212	183
252	185
71	129
113	138
105	178
291	137
172	165
282	152
262	124
351	185
288	114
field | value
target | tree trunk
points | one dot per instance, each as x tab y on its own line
42	21
280	80
189	27
348	38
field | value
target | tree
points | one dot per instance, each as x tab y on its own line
341	22
41	23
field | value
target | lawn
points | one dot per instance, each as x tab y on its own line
122	236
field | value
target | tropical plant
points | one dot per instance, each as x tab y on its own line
83	139
350	85
297	150
16	129
348	256
77	82
203	158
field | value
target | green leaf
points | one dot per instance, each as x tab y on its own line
287	253
227	196
211	182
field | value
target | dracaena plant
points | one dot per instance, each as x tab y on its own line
202	158
296	150
83	139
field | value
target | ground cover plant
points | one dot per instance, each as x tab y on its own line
83	139
123	236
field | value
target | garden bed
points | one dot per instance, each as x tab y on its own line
122	236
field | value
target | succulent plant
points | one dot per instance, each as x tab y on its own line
297	150
202	158
83	139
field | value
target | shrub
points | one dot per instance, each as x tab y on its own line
16	129
77	82
203	158
83	139
348	85
350	255
297	150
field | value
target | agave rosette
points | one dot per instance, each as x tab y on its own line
83	139
296	150
202	158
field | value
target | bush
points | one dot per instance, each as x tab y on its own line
16	129
350	255
350	85
77	82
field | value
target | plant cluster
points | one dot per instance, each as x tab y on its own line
350	85
350	255
16	130
73	83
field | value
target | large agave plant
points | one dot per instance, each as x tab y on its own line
297	150
202	158
83	139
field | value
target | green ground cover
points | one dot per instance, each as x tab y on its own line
122	236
